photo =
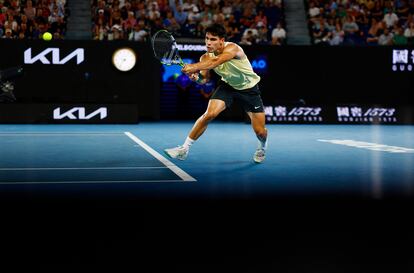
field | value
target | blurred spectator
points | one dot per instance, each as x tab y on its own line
157	25
206	21
249	36
337	35
402	10
321	35
192	10
377	12
139	33
314	11
351	29
179	14
385	38
187	18
3	11
390	19
115	17
153	12
117	32
227	9
247	19
273	12
398	37
58	28
11	23
8	34
29	10
409	33
278	35
262	34
363	21
168	20
372	36
260	19
30	19
130	22
233	33
174	27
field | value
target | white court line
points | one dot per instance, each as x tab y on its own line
89	182
74	168
368	145
182	174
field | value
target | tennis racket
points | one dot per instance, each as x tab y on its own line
166	49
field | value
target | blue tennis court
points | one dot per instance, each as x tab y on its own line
371	161
82	157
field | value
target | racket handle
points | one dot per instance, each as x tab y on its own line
200	78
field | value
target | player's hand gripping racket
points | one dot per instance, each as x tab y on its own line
166	49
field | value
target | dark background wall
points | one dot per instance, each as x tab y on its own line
317	75
94	81
324	75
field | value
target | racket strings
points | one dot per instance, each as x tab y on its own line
165	48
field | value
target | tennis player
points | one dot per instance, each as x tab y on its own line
238	82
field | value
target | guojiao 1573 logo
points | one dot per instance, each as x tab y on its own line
402	60
356	114
282	113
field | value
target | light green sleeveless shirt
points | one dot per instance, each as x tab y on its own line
238	73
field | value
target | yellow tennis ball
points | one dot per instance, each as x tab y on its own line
47	36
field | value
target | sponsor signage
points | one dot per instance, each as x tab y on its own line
68	113
191	47
359	114
80	113
287	114
53	56
402	60
344	114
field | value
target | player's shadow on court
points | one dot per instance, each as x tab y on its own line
230	166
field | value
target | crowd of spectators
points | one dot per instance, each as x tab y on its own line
29	19
361	22
246	21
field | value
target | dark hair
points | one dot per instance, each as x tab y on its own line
216	30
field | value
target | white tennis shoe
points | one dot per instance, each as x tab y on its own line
179	152
259	156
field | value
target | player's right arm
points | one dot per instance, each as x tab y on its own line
200	77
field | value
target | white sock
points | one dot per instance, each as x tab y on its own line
263	145
188	142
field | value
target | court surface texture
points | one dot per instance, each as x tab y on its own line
128	159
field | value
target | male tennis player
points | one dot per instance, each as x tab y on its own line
238	81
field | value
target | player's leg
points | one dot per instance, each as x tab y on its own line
253	105
221	98
258	124
214	108
259	127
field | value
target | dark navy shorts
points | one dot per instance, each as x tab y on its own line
249	99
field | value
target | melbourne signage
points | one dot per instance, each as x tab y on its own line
53	56
281	113
191	47
358	114
79	113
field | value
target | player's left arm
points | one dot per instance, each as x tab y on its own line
229	52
